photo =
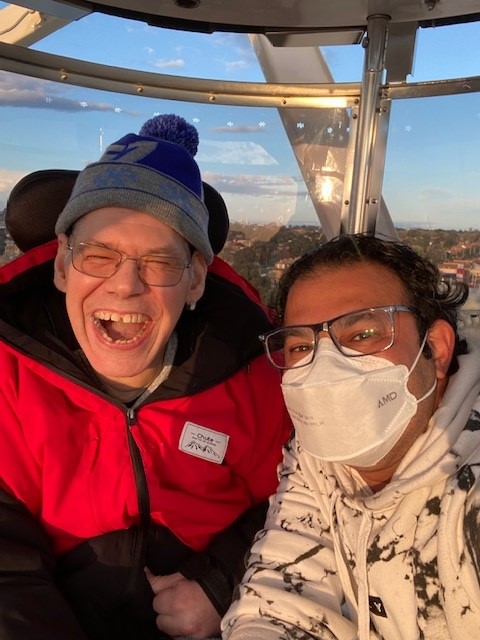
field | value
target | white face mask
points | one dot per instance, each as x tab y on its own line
350	410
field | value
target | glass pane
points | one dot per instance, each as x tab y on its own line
136	45
243	152
345	62
432	166
447	52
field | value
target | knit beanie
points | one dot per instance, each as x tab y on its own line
153	172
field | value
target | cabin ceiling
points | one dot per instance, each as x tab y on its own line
265	16
291	14
286	23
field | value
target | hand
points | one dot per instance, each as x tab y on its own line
182	606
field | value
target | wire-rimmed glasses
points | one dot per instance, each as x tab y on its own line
355	334
102	262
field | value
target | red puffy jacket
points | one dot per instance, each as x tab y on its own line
179	484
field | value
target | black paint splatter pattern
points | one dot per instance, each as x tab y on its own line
415	558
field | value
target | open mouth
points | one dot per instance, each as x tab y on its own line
119	328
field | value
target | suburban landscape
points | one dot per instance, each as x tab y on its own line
261	253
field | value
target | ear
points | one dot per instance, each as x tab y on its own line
441	340
60	270
197	278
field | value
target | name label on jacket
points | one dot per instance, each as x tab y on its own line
203	442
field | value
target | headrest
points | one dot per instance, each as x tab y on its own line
37	200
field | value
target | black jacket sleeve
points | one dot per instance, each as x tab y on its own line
31	606
221	567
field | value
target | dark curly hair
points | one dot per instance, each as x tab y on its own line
430	297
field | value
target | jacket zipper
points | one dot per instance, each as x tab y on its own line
139	471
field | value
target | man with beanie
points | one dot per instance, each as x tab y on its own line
137	448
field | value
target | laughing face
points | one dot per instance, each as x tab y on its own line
121	323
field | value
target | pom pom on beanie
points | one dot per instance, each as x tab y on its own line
172	128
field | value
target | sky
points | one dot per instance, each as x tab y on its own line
432	175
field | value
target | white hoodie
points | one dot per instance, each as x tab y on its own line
338	561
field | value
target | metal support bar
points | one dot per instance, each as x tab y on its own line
375	44
154	85
400	54
378	215
320	145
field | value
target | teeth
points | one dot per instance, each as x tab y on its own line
101	317
119	340
127	318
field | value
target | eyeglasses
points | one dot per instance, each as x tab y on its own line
102	262
356	334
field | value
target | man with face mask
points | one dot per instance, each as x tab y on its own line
374	529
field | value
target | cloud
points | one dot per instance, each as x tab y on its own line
174	63
251	185
236	64
238	42
32	93
239	45
435	193
228	152
433	208
8	179
261	199
240	128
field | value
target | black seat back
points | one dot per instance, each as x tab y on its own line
37	200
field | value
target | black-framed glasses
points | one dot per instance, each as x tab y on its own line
103	262
355	334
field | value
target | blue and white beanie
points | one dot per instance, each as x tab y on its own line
153	172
